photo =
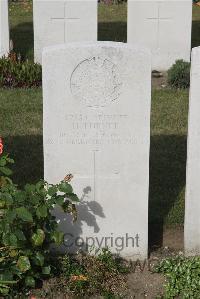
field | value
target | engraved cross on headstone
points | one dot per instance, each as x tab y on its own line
95	176
66	20
158	20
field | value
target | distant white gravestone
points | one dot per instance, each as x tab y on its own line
4	28
62	21
192	206
97	99
163	26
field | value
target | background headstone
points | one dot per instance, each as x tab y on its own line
4	28
62	21
97	99
163	26
192	206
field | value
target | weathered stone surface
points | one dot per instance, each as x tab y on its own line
97	126
4	28
192	206
163	26
62	21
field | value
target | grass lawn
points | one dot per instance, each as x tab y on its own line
21	126
21	119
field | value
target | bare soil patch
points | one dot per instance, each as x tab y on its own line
159	80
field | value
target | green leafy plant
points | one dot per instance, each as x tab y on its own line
28	228
183	277
16	73
179	74
5	171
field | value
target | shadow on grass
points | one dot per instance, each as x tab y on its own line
22	37
112	31
167	180
117	31
27	152
195	34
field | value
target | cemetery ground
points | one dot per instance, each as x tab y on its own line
21	112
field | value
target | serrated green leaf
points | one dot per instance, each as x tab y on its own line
38	259
30	281
20	235
65	187
60	200
12	240
9	160
73	197
38	238
46	270
41	211
23	264
6	239
2	204
8	198
29	188
10	216
24	214
6	276
2	162
5	170
52	190
20	196
39	186
57	237
13	253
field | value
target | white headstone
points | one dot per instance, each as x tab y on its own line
62	21
97	100
164	26
4	28
192	206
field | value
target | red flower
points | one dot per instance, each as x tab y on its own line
1	145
